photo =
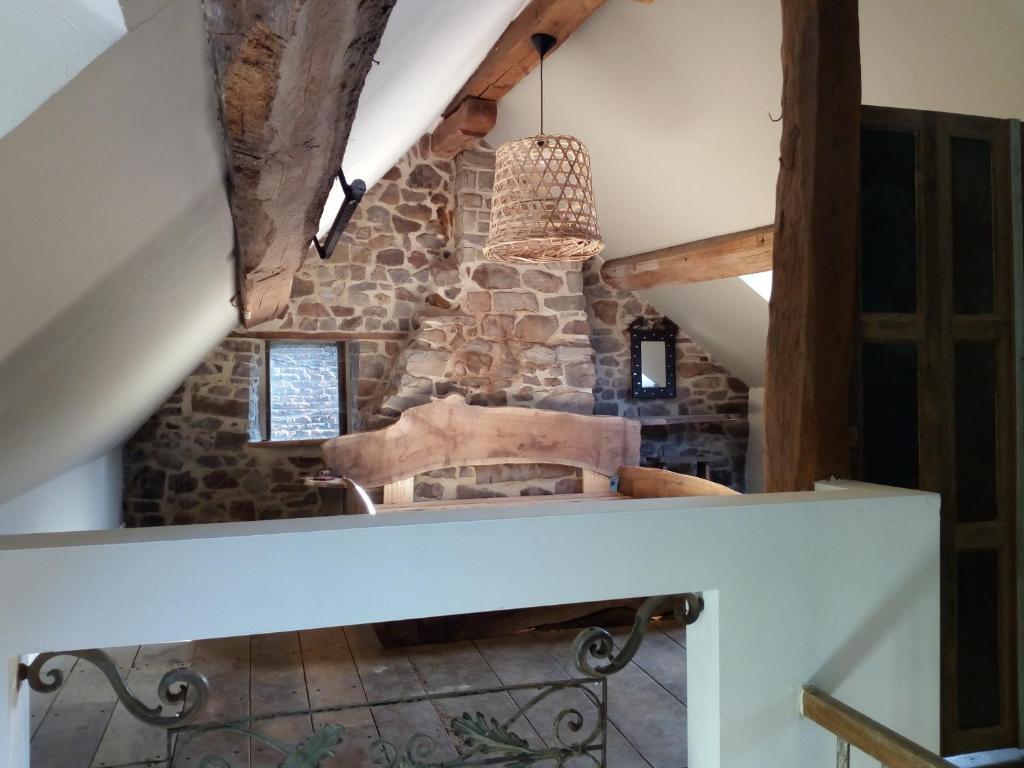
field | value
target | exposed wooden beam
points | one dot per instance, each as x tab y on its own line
740	253
811	313
473	119
513	56
289	77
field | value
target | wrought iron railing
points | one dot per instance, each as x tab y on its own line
575	735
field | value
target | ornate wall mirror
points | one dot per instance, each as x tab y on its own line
652	357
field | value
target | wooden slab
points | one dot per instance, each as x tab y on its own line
451	433
651	483
333	680
497	501
278	684
388	674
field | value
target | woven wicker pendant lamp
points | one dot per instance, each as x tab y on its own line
542	209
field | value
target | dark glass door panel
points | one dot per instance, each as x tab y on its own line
977	634
888	216
890	428
975	431
971	166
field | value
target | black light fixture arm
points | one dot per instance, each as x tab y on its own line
353	194
543	44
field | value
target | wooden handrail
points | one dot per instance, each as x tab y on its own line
867	735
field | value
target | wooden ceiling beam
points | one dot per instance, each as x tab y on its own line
473	120
289	77
509	61
513	56
739	253
812	309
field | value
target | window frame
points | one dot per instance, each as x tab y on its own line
344	426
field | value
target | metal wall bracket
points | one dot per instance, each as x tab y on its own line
173	689
353	194
596	643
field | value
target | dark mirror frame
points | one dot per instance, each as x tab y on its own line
652	329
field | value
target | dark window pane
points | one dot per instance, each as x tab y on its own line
888	221
889	385
977	633
971	161
303	391
975	402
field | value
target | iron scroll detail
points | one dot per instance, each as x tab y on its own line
596	643
174	687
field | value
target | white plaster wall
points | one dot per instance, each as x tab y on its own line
117	248
85	498
673	100
44	44
755	441
838	588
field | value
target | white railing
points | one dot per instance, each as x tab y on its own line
839	587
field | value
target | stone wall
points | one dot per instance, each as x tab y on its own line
431	316
396	251
191	462
703	387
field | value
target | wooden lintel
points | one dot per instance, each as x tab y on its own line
811	312
513	56
473	120
322	335
732	255
289	78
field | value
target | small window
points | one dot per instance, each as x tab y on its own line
301	395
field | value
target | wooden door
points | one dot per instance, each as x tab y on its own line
935	405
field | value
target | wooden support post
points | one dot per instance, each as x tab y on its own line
811	313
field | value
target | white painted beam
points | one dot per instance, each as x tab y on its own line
837	588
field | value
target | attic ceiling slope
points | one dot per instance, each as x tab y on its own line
289	78
44	45
116	232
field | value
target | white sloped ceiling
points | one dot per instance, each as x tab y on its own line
116	265
673	100
116	248
44	44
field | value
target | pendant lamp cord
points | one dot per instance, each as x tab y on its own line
542	43
542	94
